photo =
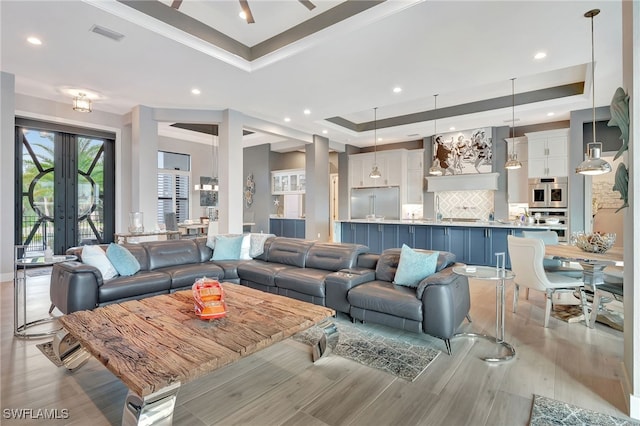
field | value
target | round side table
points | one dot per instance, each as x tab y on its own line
20	293
499	275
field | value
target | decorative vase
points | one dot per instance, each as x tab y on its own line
136	222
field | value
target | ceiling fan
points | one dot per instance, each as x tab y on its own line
244	4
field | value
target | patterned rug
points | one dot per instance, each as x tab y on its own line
395	356
547	411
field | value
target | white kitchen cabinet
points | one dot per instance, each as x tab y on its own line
548	153
415	176
391	164
518	179
288	181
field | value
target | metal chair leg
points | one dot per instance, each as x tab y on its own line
447	344
51	308
468	318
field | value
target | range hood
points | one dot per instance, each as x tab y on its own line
466	182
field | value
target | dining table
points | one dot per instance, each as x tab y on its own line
593	264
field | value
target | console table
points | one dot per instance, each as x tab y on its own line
124	237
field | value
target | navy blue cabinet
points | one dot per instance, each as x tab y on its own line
478	246
292	228
415	236
471	244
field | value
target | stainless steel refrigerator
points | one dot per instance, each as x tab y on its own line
382	201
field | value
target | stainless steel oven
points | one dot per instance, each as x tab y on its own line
548	192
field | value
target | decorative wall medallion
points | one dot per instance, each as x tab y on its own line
249	190
464	152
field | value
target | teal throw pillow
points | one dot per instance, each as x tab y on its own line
414	266
227	248
125	263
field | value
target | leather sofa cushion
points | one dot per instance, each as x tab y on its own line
382	296
141	284
368	260
289	251
303	280
333	257
261	272
389	259
186	275
230	268
205	251
172	253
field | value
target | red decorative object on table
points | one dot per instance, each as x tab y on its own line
208	295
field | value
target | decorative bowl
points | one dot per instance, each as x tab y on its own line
552	220
595	243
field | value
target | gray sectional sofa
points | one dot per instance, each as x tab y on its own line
344	277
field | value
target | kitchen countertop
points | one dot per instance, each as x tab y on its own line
478	224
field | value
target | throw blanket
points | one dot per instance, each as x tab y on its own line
257	244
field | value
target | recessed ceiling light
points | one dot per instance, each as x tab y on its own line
195	91
551	114
397	89
452	128
242	15
540	55
307	111
34	40
324	132
287	119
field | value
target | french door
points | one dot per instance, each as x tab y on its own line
65	186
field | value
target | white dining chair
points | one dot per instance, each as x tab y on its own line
554	265
612	286
527	256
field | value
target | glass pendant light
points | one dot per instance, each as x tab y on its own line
593	165
513	163
435	169
375	173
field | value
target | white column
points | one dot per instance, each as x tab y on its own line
230	172
631	80
7	165
144	165
317	220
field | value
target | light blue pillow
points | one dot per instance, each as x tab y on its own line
125	263
414	266
227	248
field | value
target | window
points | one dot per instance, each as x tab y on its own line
173	185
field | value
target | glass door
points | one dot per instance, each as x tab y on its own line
66	186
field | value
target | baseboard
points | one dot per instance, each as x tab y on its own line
633	402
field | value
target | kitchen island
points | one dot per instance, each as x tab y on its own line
473	242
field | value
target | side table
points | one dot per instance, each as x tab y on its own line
20	322
499	275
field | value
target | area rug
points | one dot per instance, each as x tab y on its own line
395	356
547	411
47	350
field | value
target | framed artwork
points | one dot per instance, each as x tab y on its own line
464	152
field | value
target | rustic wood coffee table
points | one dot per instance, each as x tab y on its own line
154	345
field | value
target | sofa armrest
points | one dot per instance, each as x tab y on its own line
338	284
74	286
445	302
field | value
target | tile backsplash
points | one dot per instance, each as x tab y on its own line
466	204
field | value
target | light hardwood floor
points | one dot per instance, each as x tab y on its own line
281	386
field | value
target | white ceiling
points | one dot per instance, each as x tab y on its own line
463	51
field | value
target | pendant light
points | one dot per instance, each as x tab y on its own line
82	103
375	173
593	165
513	163
435	169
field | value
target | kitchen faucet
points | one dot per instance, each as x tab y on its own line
438	214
